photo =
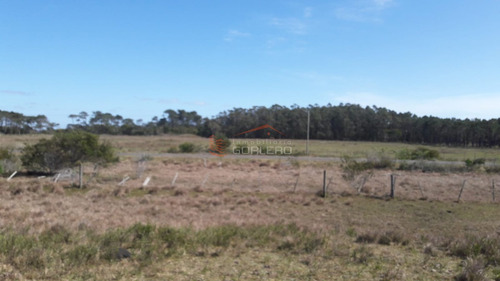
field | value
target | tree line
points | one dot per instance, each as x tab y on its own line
356	123
171	121
340	122
17	123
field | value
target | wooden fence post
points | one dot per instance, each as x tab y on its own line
175	178
125	179
393	185
11	176
146	182
461	190
324	183
493	189
421	190
57	177
81	176
296	182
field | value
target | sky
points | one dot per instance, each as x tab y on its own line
140	58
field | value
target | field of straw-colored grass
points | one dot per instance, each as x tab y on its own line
422	234
214	191
321	148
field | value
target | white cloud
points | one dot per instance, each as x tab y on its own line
290	25
484	106
365	11
351	14
275	41
233	34
382	3
308	12
14	93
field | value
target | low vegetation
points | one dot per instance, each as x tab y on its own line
8	161
187	147
153	251
66	149
420	153
248	219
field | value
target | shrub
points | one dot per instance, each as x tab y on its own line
80	255
5	154
470	164
473	270
380	161
431	167
173	149
186	147
362	254
474	246
352	168
66	149
384	240
420	153
404	154
8	161
367	238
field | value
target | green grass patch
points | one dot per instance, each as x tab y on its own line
146	243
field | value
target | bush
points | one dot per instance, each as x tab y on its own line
470	164
432	167
173	149
5	154
362	254
8	161
186	147
352	168
66	149
473	270
472	246
420	153
367	238
380	161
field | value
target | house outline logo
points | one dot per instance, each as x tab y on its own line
266	126
218	147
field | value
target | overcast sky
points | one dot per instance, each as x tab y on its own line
139	58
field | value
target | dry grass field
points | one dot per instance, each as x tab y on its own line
161	144
247	219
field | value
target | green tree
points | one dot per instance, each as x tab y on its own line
66	149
